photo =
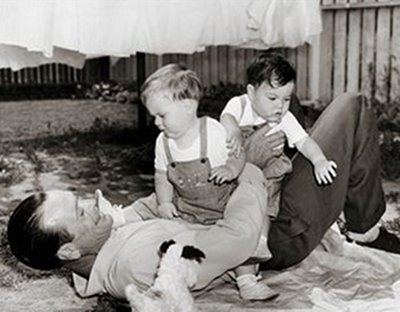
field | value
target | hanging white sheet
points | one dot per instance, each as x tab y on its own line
124	27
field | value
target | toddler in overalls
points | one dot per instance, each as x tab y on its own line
264	110
194	175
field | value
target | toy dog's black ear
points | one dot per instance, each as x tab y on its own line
193	253
165	245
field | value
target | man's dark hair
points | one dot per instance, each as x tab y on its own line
29	242
271	68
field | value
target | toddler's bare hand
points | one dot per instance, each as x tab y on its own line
167	210
222	174
325	171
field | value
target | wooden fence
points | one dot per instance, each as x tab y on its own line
216	64
358	50
56	74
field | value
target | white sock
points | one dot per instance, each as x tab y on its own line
246	279
367	237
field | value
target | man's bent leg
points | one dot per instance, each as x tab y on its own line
346	132
364	201
232	240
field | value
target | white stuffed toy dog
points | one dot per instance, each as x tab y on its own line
177	273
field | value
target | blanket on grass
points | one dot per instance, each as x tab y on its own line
337	276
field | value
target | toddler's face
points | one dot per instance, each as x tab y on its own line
171	117
271	102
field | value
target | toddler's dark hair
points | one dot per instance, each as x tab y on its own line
271	68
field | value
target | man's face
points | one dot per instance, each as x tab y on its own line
64	210
271	102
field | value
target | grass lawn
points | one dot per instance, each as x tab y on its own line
81	147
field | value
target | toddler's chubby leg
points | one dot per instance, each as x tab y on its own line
262	253
145	208
232	240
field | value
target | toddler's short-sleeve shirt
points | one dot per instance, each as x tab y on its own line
217	152
246	116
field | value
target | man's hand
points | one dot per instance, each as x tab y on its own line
167	210
325	171
222	174
260	148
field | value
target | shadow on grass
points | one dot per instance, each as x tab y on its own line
112	152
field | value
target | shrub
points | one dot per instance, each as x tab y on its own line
11	171
387	110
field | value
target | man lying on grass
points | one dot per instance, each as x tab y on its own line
53	229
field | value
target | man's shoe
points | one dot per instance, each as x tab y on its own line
385	241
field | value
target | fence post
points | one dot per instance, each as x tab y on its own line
315	70
104	64
141	76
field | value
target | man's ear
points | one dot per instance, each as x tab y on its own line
68	251
250	92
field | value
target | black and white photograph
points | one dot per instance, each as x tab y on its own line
199	155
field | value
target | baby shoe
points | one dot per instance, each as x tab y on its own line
251	288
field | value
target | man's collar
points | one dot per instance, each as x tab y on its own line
82	266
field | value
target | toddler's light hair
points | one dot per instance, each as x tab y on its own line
174	81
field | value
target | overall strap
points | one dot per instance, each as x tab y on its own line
167	150
242	104
203	138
